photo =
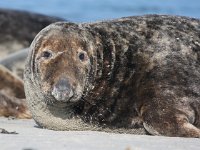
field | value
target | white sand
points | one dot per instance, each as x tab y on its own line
30	137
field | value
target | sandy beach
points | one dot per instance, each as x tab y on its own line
27	136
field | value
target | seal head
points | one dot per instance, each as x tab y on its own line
62	64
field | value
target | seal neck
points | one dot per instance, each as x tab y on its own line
102	68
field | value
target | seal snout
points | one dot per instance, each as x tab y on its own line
62	90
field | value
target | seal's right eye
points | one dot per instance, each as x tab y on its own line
46	54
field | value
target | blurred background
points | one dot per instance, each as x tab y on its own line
93	10
17	30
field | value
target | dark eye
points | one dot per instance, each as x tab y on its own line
46	54
81	56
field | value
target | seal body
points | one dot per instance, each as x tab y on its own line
133	75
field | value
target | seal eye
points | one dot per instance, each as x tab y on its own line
46	54
82	56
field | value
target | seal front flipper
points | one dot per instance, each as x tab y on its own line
170	125
169	119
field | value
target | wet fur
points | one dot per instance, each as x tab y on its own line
143	72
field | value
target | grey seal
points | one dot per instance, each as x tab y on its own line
119	75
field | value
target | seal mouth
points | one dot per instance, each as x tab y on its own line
62	95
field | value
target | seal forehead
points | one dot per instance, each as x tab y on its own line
61	40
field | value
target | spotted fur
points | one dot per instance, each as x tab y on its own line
141	73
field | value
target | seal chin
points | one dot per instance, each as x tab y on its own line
62	95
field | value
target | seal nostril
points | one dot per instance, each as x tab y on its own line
63	85
62	90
